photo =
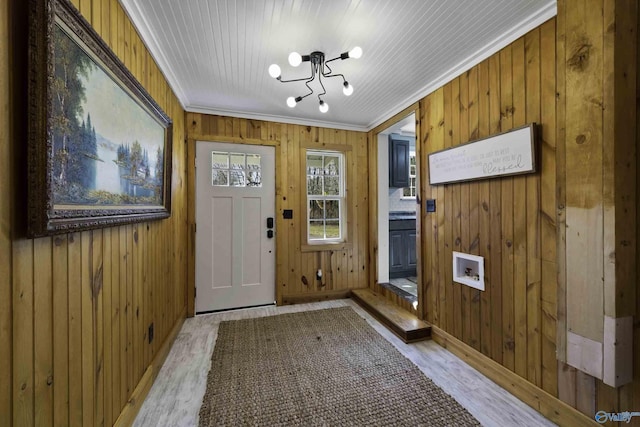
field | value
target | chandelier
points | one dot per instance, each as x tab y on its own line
319	68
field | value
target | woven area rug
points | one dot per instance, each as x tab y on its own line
318	368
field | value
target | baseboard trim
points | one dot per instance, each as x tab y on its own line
548	405
133	405
315	297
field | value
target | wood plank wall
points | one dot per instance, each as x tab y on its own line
7	130
75	308
343	269
597	45
517	223
629	396
509	221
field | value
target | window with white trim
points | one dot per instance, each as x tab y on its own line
410	191
325	197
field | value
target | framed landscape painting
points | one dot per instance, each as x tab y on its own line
99	149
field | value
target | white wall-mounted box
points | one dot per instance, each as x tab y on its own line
468	270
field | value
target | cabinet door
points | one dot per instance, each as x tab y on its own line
397	251
412	260
398	162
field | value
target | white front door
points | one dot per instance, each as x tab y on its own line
235	205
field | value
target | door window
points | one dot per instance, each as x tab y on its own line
235	169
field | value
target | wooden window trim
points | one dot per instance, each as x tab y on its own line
347	152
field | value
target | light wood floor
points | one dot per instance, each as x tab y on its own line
175	398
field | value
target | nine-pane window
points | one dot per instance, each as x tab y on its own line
325	196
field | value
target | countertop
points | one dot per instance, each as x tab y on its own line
399	216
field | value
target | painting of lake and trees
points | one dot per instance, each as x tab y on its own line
107	150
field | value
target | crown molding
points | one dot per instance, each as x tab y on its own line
141	24
274	118
534	21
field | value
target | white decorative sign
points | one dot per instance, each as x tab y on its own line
508	153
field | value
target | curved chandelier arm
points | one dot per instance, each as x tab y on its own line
324	90
308	87
295	80
335	75
330	73
307	79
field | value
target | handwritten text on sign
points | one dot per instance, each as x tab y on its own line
505	154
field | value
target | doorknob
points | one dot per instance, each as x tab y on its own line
270	234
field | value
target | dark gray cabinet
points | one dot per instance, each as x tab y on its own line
402	248
399	148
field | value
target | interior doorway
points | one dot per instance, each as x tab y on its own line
398	209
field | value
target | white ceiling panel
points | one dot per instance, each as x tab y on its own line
216	53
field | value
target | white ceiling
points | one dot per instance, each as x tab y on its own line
216	53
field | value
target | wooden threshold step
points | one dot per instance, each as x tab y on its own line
402	323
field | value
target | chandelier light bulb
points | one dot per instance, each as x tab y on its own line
291	101
356	52
347	89
295	59
274	71
324	107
